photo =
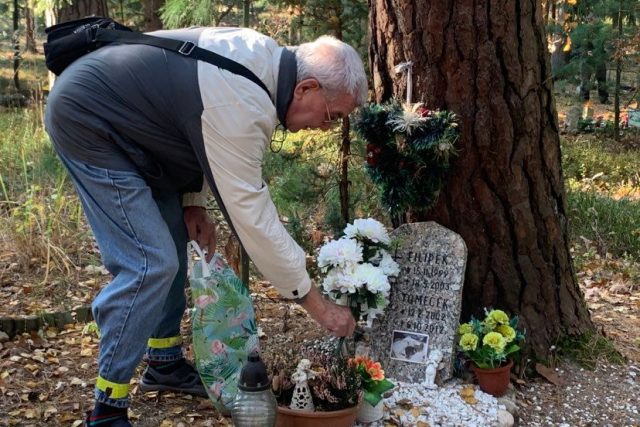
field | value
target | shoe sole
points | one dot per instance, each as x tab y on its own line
159	387
144	387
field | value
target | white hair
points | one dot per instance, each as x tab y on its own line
336	65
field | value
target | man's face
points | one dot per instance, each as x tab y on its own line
311	109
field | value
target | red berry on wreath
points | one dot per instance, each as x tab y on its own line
372	160
424	112
370	147
377	150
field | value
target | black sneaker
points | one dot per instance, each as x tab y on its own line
184	379
117	422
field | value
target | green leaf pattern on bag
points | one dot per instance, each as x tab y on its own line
224	329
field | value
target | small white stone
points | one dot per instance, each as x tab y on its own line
505	419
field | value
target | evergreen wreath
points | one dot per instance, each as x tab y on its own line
408	152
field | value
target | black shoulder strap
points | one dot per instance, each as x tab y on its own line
187	49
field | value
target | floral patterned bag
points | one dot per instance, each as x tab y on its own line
224	327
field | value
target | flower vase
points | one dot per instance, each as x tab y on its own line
494	381
369	413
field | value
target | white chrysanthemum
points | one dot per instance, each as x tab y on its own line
373	277
345	282
368	228
339	253
388	265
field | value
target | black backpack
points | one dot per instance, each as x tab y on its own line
70	40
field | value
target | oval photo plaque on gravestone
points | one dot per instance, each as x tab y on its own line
424	309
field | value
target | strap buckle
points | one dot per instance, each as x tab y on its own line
186	48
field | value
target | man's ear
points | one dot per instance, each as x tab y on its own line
304	86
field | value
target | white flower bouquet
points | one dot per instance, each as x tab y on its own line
358	267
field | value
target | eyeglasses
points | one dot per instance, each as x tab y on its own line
330	119
279	135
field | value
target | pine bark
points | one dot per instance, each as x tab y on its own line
152	21
487	61
78	9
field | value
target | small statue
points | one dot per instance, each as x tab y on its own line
301	399
435	356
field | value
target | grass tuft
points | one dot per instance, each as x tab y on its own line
613	225
589	349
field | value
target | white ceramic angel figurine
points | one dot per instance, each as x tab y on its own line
435	356
301	399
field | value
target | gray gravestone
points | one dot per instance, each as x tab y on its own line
424	309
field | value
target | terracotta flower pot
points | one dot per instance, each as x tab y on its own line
291	418
493	381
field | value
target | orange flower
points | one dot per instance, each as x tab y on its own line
374	369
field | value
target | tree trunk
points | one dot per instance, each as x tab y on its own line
82	8
559	56
30	24
246	13
616	102
16	45
487	61
152	20
345	155
336	9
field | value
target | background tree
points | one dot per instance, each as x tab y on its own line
151	10
555	23
488	62
183	13
16	44
30	19
76	9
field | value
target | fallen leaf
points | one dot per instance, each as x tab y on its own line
468	394
549	374
76	381
405	403
66	417
619	288
398	412
50	410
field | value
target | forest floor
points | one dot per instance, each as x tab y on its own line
47	377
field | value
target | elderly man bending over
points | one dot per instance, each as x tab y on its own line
139	130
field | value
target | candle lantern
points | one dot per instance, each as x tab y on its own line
254	405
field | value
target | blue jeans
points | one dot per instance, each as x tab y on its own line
143	243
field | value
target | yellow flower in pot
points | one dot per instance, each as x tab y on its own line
489	344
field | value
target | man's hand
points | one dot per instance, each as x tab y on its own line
201	228
335	318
